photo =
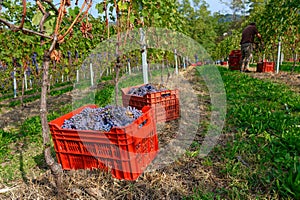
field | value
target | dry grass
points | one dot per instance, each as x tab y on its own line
173	181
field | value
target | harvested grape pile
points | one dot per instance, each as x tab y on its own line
145	89
102	119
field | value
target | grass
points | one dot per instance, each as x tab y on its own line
21	150
288	66
262	160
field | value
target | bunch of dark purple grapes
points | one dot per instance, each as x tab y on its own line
145	89
34	62
102	119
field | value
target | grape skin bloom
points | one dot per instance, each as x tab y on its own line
102	119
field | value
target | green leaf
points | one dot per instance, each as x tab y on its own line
37	18
132	19
49	26
122	6
100	7
67	70
111	8
156	16
74	12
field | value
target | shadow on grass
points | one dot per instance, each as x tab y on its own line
40	160
20	148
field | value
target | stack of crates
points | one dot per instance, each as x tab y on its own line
165	103
265	67
235	57
125	151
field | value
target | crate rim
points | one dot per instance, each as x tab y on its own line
126	90
78	110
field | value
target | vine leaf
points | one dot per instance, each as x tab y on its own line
49	23
122	6
37	18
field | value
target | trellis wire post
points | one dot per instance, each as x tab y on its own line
92	74
25	80
129	68
77	76
15	83
144	56
278	56
176	62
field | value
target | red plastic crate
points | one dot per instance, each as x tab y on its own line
265	67
235	52
234	62
165	103
125	151
235	57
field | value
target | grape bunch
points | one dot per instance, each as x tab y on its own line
34	62
145	89
69	54
102	119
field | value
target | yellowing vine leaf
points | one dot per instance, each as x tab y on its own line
56	55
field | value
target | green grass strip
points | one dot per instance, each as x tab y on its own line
264	157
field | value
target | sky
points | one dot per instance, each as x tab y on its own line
216	6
